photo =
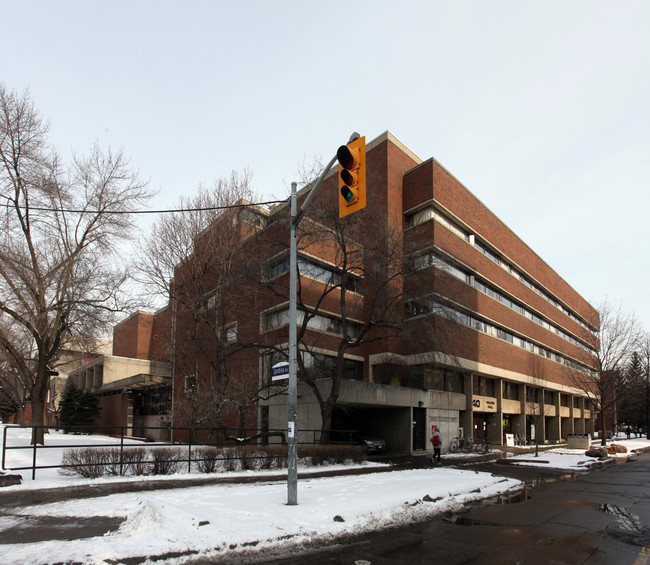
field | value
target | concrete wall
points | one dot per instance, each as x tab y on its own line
387	412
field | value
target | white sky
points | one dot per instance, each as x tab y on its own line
164	521
540	108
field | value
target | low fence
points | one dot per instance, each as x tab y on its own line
197	437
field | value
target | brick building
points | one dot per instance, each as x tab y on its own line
448	318
134	383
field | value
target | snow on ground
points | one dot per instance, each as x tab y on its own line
223	518
58	442
220	518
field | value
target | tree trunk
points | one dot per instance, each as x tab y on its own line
326	421
603	431
38	430
647	409
38	400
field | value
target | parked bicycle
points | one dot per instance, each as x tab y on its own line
483	446
464	444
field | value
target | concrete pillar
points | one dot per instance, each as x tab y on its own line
567	423
465	419
497	437
519	420
554	432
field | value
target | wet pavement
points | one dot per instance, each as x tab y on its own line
594	518
33	529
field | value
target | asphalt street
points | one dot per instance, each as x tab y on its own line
597	518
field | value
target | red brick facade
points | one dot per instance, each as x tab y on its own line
521	325
143	335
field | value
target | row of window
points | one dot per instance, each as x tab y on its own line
324	364
530	284
428	305
431	259
311	269
431	213
435	378
320	322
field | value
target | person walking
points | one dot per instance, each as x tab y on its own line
436	440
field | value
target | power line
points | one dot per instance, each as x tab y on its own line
137	212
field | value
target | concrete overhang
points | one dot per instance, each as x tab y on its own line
137	382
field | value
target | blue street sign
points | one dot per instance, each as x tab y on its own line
280	371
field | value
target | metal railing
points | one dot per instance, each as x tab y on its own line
196	437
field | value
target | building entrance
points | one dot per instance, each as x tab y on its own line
479	428
419	429
507	426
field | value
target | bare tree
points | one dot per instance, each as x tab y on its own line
618	337
14	394
174	239
196	260
351	287
535	400
366	287
60	225
644	356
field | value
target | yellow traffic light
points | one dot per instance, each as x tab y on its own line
352	176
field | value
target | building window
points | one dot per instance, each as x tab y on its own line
487	252
530	284
510	391
483	386
429	213
328	275
190	383
424	261
428	305
420	217
325	365
532	394
324	273
276	267
319	322
229	333
249	216
276	319
210	300
430	377
152	402
453	381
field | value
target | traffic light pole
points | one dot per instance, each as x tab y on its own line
292	402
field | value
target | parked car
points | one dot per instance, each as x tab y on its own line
373	444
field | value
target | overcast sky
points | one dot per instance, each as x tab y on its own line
541	109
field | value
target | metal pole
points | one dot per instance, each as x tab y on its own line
34	458
292	402
121	450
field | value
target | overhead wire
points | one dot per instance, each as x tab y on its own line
167	211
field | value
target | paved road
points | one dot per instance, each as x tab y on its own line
598	518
